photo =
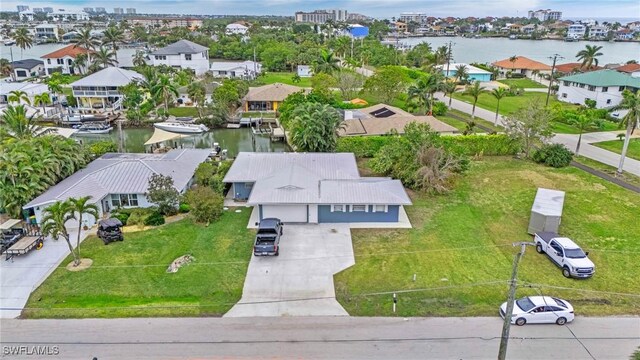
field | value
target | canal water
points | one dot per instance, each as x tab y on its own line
234	140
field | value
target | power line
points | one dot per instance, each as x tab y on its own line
532	285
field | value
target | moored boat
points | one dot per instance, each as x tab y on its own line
181	127
94	128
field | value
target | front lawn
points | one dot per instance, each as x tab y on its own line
283	78
564	128
183	111
508	104
523	83
616	146
129	278
461	252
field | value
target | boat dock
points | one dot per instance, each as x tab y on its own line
275	133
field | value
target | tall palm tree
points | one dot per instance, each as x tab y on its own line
419	93
462	73
105	57
326	63
631	103
81	206
53	224
23	39
42	99
81	62
589	56
164	89
475	91
499	93
86	40
197	94
435	82
113	36
17	125
139	59
16	96
448	88
582	122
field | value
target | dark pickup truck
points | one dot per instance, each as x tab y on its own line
268	237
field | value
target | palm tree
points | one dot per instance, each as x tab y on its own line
86	40
5	68
105	57
475	91
17	96
81	62
53	224
82	206
42	99
327	63
197	94
419	93
17	125
113	35
462	73
589	56
342	45
23	39
54	86
582	122
139	59
499	93
164	89
449	87
630	102
315	127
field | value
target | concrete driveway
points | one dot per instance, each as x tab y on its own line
299	282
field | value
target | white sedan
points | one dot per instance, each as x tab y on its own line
539	310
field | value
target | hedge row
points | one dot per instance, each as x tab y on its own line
490	145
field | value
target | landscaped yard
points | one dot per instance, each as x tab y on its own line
129	278
616	146
478	121
461	252
183	111
563	128
607	169
284	78
523	83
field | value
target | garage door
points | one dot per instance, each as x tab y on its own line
286	213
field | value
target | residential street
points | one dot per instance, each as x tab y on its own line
318	338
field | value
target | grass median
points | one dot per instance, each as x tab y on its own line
633	151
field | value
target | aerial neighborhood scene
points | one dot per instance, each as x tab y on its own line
319	179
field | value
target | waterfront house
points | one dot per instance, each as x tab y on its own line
120	180
573	67
29	88
237	28
531	28
47	31
314	188
624	34
268	97
183	54
62	60
576	31
521	65
475	74
598	32
27	68
603	86
100	91
384	119
236	69
304	71
631	69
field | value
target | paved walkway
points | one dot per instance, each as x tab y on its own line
18	278
299	282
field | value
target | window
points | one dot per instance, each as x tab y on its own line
161	57
379	208
359	208
608	101
337	208
564	95
565	83
605	89
60	61
592	88
69	61
49	61
124	200
621	88
581	86
21	73
187	57
222	73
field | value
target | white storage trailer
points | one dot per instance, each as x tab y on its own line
546	211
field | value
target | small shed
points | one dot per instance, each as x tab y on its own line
546	211
305	71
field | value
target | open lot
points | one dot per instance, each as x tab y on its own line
616	146
183	111
523	83
461	252
284	78
508	104
129	278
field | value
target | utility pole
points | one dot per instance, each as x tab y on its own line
553	68
504	340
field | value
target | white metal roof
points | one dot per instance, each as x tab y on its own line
111	76
233	65
30	88
126	173
548	202
9	224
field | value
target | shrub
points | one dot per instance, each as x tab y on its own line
206	204
102	147
162	192
123	217
439	108
184	208
138	215
154	219
556	155
362	146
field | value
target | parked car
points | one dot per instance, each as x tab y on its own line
109	230
268	237
539	310
566	254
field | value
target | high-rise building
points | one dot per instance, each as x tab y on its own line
544	15
48	10
118	11
131	10
22	8
339	15
88	10
100	10
407	17
322	16
37	10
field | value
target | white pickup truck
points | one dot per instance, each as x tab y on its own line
566	254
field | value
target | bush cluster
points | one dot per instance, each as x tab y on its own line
154	219
556	155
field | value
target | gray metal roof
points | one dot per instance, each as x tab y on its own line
180	47
111	76
125	173
26	64
383	191
548	202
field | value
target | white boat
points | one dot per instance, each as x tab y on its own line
77	119
181	127
94	128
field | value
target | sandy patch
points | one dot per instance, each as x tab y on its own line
84	264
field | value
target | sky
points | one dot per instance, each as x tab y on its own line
376	8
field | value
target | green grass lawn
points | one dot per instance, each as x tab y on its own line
460	248
607	169
183	111
456	123
523	83
508	104
563	128
616	146
129	278
284	78
478	121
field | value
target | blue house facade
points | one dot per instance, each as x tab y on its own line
314	188
357	31
475	74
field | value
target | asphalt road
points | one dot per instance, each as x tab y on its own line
316	338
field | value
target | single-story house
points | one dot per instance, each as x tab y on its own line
521	65
305	71
120	180
236	69
27	68
314	188
603	86
100	90
574	67
237	28
62	60
382	119
631	69
475	74
30	89
268	97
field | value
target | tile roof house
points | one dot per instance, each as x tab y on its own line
603	86
62	59
24	69
314	188
268	97
521	65
382	119
121	180
183	54
100	90
574	67
631	69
